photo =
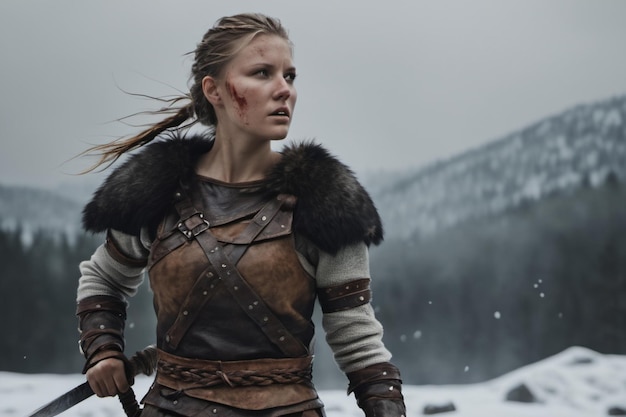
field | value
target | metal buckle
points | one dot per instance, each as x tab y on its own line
190	227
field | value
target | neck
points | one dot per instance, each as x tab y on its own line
233	161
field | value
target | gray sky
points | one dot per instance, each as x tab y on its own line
384	85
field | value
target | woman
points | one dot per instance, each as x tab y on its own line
238	241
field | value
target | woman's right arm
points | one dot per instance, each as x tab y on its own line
116	267
113	273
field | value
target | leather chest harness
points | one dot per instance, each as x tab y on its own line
288	369
224	258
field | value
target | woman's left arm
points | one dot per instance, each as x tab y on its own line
353	332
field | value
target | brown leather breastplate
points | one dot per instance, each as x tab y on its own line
200	312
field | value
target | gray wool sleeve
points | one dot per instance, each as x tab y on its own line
104	275
354	335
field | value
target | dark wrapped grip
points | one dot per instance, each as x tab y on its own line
129	403
142	362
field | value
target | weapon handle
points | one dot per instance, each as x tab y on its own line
142	362
129	403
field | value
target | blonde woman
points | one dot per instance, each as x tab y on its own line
238	241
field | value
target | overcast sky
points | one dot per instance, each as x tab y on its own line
383	84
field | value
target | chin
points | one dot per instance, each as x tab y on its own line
280	135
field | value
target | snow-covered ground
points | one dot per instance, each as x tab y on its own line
575	383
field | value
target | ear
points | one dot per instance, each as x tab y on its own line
210	90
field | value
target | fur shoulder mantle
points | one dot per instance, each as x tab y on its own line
332	209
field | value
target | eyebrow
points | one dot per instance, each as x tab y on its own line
265	64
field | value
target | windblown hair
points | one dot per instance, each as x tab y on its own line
216	49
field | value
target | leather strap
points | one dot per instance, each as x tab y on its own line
223	260
345	296
200	373
194	220
378	390
196	298
192	224
120	256
248	300
101	326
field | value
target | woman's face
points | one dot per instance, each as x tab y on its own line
256	95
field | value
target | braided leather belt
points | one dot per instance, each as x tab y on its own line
174	370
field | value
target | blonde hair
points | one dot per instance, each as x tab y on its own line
218	46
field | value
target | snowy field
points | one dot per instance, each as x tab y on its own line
575	383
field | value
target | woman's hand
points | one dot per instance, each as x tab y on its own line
107	378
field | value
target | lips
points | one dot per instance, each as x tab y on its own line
283	111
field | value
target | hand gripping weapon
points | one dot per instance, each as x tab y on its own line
143	362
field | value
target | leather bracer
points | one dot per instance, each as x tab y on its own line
101	327
378	390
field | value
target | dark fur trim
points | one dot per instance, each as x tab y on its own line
333	209
141	191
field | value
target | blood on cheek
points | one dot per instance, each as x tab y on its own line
240	100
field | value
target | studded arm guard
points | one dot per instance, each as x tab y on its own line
101	326
378	390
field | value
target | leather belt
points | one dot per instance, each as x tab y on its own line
189	373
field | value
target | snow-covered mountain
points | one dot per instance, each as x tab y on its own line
582	146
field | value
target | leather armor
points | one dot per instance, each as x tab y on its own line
218	233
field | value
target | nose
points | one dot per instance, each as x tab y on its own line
283	89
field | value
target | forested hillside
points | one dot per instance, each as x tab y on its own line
38	286
488	296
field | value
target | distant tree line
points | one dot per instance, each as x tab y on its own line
38	283
491	295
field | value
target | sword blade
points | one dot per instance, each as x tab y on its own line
143	362
65	401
